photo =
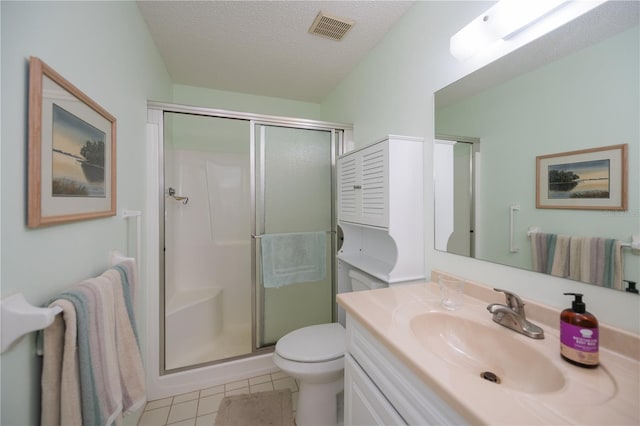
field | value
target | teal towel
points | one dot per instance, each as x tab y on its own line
551	251
610	250
127	291
92	409
293	258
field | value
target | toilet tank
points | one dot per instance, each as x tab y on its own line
361	281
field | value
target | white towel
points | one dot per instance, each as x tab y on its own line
540	251
60	374
586	260
561	259
618	270
131	369
293	258
575	258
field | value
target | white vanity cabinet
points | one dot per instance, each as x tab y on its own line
380	208
381	390
365	405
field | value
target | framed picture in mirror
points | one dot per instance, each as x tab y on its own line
72	152
588	179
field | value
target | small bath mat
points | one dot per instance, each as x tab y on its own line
256	409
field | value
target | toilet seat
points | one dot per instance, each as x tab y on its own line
316	343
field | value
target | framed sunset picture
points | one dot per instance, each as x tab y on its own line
588	179
72	152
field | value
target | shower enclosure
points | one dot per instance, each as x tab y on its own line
247	232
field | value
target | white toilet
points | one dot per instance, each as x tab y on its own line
361	281
314	356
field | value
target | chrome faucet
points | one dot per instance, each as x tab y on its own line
512	316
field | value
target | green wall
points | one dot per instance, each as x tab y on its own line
105	50
243	102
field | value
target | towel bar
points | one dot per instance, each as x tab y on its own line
254	236
19	317
634	244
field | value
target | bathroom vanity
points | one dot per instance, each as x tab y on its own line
381	390
410	361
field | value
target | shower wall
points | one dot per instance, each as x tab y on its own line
208	237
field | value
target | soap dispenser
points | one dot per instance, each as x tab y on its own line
579	334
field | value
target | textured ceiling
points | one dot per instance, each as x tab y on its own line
263	47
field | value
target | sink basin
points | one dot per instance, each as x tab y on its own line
477	348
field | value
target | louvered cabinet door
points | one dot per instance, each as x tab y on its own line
348	188
374	182
363	183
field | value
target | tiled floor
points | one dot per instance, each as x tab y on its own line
200	407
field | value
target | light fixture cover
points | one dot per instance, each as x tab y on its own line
501	21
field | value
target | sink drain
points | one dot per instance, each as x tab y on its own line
492	377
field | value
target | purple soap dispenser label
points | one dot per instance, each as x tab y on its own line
579	338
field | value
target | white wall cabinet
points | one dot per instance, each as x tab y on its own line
381	390
380	208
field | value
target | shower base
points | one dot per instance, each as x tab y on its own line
195	330
232	341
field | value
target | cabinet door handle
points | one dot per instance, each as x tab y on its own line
357	186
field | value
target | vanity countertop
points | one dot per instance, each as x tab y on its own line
608	394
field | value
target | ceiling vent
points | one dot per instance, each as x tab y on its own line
332	27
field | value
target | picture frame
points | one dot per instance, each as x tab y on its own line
587	179
72	152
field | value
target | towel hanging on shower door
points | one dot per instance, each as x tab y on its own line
293	258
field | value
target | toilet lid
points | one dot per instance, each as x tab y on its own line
316	343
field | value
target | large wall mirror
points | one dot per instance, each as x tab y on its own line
575	89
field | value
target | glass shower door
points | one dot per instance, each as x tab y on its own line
207	247
294	226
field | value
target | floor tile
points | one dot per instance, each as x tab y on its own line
187	422
278	375
212	391
260	379
182	411
152	405
236	385
207	420
209	404
239	391
186	397
287	383
261	387
155	417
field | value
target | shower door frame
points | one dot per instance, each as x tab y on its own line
340	133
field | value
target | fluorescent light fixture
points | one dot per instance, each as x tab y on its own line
501	21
